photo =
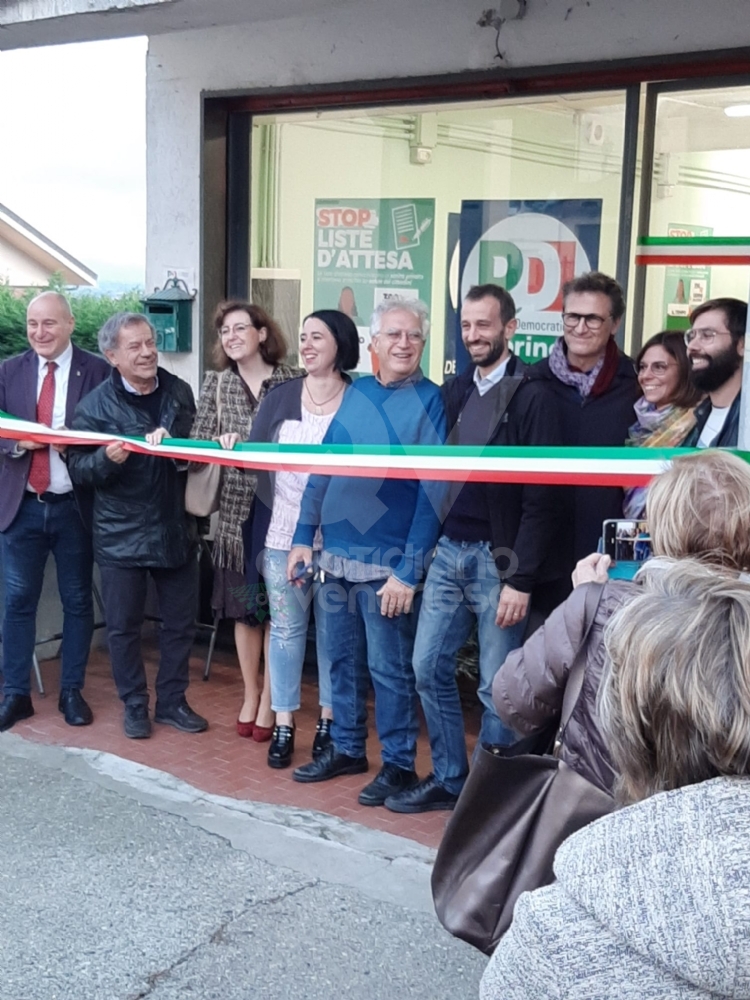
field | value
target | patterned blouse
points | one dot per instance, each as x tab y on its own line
238	408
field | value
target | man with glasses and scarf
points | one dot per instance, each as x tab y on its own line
596	387
715	347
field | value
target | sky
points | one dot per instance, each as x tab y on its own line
74	150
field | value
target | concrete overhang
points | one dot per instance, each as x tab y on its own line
30	23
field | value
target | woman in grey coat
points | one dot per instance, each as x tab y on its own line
699	508
653	902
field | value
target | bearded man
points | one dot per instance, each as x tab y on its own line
716	347
494	546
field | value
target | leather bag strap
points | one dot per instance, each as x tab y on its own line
578	668
218	403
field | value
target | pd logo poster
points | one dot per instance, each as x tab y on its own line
370	249
531	248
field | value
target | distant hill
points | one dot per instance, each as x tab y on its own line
111	288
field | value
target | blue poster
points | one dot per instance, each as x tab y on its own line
531	248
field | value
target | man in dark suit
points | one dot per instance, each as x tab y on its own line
41	513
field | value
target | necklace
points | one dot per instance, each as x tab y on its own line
319	405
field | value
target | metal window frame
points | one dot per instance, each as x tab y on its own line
225	198
653	92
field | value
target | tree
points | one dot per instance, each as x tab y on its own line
90	311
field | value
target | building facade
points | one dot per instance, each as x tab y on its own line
323	153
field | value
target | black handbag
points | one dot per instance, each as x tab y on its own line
513	813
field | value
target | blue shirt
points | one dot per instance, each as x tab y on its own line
391	523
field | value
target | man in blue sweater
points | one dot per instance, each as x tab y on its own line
377	535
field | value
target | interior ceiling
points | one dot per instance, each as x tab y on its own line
694	121
459	113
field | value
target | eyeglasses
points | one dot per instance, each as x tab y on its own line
705	336
237	328
393	336
592	321
658	367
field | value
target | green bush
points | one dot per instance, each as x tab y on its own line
90	313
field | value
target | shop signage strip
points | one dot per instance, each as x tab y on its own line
560	466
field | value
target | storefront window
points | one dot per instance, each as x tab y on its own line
701	187
350	208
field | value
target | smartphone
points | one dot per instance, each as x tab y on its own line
628	544
302	572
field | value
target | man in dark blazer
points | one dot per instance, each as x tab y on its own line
41	513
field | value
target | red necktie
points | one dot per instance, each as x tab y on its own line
39	474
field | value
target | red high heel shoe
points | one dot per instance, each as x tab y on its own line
262	734
245	729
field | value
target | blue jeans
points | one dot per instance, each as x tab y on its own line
462	584
290	616
38	529
362	644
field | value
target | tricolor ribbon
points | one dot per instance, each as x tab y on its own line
560	466
692	250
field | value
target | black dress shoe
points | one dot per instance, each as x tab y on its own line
389	780
322	737
73	706
424	797
181	716
282	747
330	764
137	723
15	708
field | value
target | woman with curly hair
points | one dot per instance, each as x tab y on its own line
248	354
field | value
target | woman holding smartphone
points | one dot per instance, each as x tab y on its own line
297	412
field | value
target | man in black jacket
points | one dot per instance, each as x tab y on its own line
596	387
494	545
716	348
140	524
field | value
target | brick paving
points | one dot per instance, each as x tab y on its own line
219	761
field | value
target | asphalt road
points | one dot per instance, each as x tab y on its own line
118	883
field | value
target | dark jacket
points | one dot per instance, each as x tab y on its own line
528	688
139	506
524	518
594	421
18	385
729	433
281	402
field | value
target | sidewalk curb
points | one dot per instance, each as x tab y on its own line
384	866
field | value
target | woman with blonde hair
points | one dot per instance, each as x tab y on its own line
651	902
699	508
248	355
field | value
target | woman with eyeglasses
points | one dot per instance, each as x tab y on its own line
248	355
665	412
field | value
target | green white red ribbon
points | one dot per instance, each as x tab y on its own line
693	250
561	466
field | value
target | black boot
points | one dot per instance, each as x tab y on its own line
322	737
282	747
